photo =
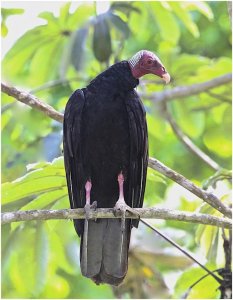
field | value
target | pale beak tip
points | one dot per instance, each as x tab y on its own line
166	77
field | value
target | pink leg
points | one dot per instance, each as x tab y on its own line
88	186
121	184
120	204
88	206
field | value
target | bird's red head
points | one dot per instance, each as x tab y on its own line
146	62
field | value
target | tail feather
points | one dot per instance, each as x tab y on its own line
104	250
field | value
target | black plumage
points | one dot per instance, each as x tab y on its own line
105	133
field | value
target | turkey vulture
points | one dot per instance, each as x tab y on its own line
106	153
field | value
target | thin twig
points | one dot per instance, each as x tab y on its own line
206	107
220	98
53	84
7	106
148	213
187	141
181	180
184	251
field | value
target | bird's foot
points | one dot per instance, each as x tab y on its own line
89	210
120	208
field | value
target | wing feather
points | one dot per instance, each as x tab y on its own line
138	150
72	152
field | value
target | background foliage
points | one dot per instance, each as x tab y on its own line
193	39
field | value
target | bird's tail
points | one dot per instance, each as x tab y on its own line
104	250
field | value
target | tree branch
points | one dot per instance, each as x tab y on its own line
187	141
177	92
148	213
181	180
185	91
32	101
153	163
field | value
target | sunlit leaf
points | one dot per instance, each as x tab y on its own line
185	17
4	29
205	289
166	21
64	14
5	13
200	6
17	61
192	123
80	16
51	177
41	257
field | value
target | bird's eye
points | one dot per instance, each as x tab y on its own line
149	61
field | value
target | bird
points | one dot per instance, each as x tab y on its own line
105	145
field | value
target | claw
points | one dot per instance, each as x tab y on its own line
120	208
89	209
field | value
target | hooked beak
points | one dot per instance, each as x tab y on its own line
162	73
166	77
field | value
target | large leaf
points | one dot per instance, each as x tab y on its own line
78	49
102	39
185	17
64	14
168	26
31	281
80	16
119	24
17	61
205	289
5	13
42	180
124	6
201	6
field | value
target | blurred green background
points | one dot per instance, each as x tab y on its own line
62	49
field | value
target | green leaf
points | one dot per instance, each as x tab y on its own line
17	61
64	14
185	17
200	291
124	6
49	178
102	40
155	176
218	141
4	29
201	6
192	123
166	22
5	13
183	66
11	243
49	54
41	257
78	49
119	24
48	16
80	17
